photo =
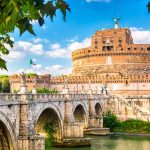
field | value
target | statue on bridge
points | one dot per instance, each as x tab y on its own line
23	78
23	87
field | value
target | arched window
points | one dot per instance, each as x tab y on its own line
148	49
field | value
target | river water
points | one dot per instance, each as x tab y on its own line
115	143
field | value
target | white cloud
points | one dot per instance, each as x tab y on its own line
34	60
13	55
37	66
55	46
38	40
58	52
57	70
140	36
106	1
77	45
16	55
53	70
71	40
28	47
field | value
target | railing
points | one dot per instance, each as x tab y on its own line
40	97
144	115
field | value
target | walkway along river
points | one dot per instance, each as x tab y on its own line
115	142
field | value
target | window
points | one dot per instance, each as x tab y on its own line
96	41
129	48
119	40
148	49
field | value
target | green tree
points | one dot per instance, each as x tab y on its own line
19	14
0	86
5	85
46	90
111	121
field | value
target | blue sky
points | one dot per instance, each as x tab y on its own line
51	49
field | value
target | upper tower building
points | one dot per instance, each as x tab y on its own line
111	51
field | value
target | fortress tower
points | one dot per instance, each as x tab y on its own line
112	51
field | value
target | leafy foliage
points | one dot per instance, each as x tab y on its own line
50	129
46	90
0	86
31	75
129	126
111	121
4	84
148	6
134	126
20	14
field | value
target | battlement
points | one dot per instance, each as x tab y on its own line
119	78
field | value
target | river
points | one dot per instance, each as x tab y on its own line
115	143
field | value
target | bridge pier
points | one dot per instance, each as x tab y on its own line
35	142
95	114
95	121
27	140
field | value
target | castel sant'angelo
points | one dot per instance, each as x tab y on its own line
112	64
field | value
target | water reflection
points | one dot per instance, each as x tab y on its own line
115	143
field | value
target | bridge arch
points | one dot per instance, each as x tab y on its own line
7	134
98	109
49	114
80	114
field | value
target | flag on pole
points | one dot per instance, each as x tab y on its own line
32	62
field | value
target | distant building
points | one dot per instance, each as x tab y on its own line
112	61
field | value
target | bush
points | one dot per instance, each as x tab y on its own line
46	90
50	129
134	126
111	121
31	75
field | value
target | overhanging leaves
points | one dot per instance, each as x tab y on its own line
3	64
20	14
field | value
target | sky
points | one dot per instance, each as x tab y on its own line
51	49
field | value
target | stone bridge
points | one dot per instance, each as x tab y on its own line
23	116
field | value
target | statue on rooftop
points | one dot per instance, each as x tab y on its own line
116	20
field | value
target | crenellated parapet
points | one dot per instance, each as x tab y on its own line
119	78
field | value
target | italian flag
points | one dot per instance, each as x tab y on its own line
32	62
